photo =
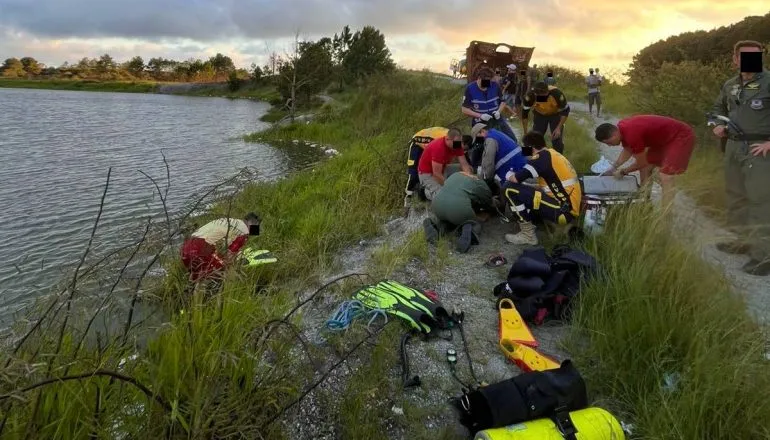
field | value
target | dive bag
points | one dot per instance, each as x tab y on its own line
528	396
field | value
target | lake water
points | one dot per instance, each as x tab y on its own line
57	146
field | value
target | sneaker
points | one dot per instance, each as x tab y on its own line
431	232
733	247
757	268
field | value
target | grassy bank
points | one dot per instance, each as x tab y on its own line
82	85
220	371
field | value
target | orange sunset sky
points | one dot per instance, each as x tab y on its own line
420	34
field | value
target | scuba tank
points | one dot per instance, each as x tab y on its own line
591	424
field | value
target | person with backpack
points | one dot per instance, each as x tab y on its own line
594	81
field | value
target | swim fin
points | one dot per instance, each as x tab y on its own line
405	302
527	358
512	326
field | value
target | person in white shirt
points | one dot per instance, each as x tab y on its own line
593	82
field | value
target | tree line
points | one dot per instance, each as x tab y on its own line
105	67
681	75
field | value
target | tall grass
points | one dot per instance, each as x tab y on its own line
660	311
210	362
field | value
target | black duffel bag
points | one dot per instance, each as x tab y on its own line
528	396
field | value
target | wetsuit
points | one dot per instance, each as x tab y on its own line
559	195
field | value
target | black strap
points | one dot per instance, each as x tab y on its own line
564	423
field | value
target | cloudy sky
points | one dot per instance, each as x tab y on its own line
420	33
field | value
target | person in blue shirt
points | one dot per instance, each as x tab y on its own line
483	102
501	158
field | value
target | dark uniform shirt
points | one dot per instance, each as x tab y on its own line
555	104
555	175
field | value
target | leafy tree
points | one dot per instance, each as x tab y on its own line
135	66
12	68
256	73
233	82
222	64
368	54
31	65
105	63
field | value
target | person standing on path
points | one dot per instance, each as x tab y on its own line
437	155
594	81
551	111
483	101
653	141
745	99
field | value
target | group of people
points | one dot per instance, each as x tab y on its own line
531	181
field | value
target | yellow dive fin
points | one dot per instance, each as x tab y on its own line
527	358
512	327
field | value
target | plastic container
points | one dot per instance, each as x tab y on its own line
591	424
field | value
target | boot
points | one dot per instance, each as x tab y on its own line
526	236
431	231
465	239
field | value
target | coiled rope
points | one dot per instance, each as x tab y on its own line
350	310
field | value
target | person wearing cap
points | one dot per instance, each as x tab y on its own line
549	78
433	162
550	109
483	101
501	157
556	199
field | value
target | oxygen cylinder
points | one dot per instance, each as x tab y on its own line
591	424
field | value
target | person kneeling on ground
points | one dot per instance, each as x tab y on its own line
668	143
558	197
202	253
434	160
460	206
501	155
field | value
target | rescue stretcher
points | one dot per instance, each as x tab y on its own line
600	194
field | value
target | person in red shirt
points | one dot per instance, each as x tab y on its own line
437	155
210	248
653	141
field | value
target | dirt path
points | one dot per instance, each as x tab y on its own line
696	227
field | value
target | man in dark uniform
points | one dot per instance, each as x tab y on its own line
557	198
745	99
551	111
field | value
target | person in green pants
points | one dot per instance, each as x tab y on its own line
460	206
745	99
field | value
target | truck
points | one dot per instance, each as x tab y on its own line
494	55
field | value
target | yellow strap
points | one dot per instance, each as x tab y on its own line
536	201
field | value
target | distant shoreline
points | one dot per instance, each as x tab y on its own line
262	92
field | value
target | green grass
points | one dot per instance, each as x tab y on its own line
82	85
660	309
